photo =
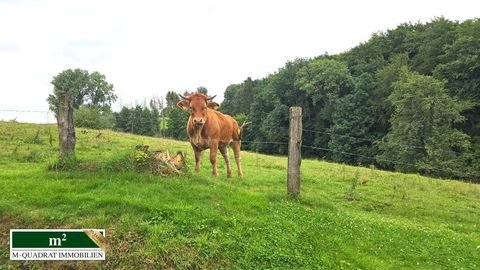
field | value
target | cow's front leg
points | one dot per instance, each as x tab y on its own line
213	157
198	156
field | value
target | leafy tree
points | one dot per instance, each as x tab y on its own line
367	57
422	135
461	69
240	118
245	95
138	120
435	38
86	88
324	78
79	87
352	121
229	103
172	99
124	120
177	124
385	77
239	97
270	123
324	81
202	90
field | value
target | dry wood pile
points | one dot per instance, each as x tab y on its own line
158	162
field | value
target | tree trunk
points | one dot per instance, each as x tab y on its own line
66	130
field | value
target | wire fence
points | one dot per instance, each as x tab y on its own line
359	139
27	116
46	117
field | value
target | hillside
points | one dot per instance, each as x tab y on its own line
406	100
346	217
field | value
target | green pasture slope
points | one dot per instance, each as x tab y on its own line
346	217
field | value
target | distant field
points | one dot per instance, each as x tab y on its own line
346	217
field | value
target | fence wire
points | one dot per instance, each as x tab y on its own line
49	118
359	139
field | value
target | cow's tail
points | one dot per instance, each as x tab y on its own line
240	129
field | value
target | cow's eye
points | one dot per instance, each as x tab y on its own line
190	109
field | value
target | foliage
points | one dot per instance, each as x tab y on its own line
177	124
239	97
347	100
172	99
86	88
324	79
93	117
240	118
422	135
195	221
352	121
203	90
461	69
138	120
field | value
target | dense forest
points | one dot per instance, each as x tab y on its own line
408	99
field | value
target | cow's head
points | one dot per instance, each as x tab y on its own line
197	104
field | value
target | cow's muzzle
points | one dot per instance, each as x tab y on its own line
198	122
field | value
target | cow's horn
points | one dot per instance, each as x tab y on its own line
182	96
210	98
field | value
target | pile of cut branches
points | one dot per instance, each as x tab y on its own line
158	162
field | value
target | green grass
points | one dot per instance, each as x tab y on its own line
346	217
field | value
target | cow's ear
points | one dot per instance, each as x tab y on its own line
183	104
213	105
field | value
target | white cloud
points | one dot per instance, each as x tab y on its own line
150	47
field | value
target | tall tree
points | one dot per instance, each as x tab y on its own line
323	81
203	90
72	89
85	88
229	103
352	121
385	77
177	123
422	135
461	69
172	99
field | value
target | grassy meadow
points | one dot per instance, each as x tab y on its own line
346	217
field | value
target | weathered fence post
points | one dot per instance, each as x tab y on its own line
66	130
294	151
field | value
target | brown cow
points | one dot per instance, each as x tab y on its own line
208	128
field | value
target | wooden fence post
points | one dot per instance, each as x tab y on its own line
294	151
66	130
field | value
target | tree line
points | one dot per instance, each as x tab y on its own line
152	118
408	99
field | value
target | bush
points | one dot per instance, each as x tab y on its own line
94	118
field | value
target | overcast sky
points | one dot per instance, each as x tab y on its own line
147	48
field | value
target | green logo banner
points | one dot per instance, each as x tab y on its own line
57	244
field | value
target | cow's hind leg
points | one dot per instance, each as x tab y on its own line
224	152
236	151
